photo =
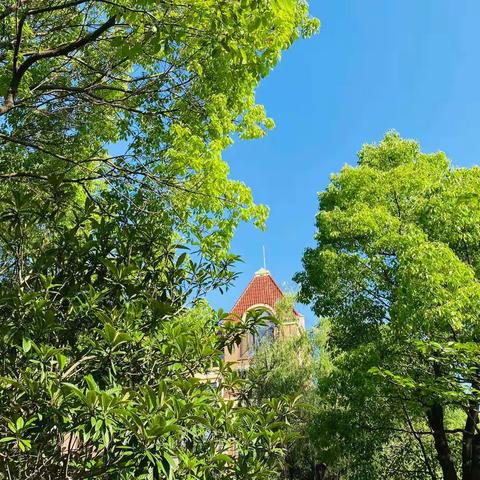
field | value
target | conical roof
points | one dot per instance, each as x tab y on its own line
262	290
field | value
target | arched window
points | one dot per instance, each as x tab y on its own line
250	342
263	333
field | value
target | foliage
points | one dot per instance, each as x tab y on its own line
284	366
116	214
103	367
163	85
396	273
285	308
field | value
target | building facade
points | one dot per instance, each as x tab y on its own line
261	292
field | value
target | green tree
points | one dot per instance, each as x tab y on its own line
116	214
396	273
106	371
284	367
162	84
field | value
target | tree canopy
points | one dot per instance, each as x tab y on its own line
396	274
147	92
284	367
116	215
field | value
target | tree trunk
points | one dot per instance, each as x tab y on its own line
469	451
444	455
475	471
320	471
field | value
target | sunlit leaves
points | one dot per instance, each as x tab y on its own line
166	87
396	271
112	360
116	216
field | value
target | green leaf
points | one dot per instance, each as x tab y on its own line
20	423
7	439
26	345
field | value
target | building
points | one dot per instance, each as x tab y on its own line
261	292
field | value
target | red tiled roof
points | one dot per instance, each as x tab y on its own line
262	290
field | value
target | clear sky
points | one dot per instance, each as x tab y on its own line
410	65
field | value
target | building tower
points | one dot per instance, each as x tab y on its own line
262	291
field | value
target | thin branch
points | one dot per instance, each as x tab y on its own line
55	52
420	443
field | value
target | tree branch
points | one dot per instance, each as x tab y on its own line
55	52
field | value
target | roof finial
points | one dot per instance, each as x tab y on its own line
263	271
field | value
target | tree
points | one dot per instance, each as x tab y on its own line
106	372
116	214
396	273
284	367
148	92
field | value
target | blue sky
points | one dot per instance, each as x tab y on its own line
410	65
